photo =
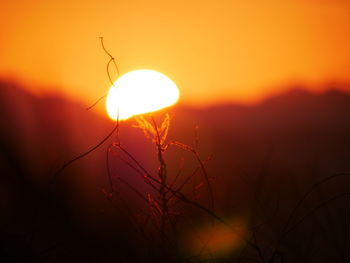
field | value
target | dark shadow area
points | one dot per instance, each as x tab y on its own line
264	159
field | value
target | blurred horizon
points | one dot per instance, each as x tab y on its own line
99	106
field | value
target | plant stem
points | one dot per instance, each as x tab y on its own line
162	174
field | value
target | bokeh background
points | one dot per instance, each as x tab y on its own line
265	82
214	50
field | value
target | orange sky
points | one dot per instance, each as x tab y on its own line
216	51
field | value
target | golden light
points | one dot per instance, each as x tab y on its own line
140	91
217	240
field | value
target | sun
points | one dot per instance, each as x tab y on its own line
138	92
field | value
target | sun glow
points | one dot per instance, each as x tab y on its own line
138	92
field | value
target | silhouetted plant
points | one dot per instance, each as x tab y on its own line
166	188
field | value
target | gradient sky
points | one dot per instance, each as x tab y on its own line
216	51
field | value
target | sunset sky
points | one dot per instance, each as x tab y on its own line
216	51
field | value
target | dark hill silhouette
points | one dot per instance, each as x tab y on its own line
282	145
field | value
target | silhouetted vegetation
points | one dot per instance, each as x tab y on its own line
280	180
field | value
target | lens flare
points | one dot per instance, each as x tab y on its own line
140	91
217	240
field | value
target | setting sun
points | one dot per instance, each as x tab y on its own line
175	131
138	92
